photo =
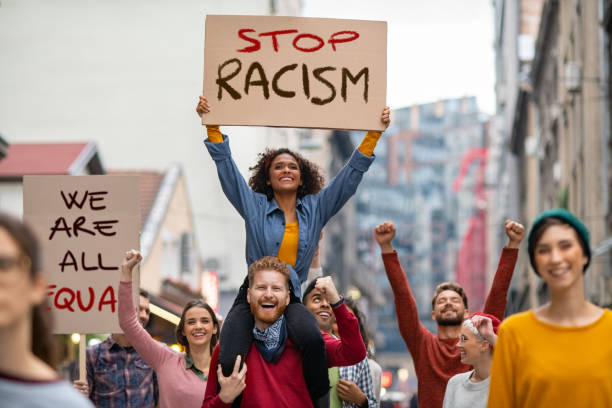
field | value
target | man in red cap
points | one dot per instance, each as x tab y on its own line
476	341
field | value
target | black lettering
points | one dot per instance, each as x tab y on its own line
317	74
72	199
222	80
354	79
305	81
101	226
92	198
106	268
66	262
281	92
57	227
85	267
77	226
263	81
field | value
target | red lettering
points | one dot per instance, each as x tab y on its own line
65	299
333	40
68	301
273	34
312	49
110	291
91	300
256	44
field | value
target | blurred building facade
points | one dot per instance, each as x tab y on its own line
417	181
127	75
555	124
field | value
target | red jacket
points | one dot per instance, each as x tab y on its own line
282	384
437	360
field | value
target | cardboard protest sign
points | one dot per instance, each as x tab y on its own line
295	72
85	224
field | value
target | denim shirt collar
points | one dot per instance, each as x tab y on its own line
273	206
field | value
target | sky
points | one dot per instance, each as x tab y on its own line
436	49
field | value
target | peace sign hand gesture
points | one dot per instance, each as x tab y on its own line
234	384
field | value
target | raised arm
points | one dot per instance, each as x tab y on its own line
343	186
410	327
151	351
233	184
349	350
497	298
371	138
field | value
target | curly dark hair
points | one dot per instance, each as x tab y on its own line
310	173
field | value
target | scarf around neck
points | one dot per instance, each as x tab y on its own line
271	342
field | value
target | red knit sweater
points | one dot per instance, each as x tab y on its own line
282	384
437	360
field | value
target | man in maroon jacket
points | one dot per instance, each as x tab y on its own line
274	363
436	357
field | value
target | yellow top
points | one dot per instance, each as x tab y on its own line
539	365
289	246
288	249
366	147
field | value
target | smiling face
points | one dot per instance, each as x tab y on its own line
320	308
559	258
268	296
199	327
143	311
449	309
284	174
19	291
470	346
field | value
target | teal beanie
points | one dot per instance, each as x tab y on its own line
567	217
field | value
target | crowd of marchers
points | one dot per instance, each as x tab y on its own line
292	340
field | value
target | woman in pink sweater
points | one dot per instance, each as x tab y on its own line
181	377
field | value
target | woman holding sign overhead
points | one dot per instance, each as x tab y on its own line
285	207
181	377
27	378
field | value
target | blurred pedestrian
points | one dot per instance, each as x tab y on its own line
181	377
285	207
117	376
476	342
27	360
436	357
560	354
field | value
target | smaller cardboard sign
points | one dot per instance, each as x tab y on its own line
84	224
295	72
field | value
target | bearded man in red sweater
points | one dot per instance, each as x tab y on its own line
274	363
437	357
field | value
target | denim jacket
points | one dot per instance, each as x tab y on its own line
265	221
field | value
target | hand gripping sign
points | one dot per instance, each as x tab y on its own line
84	225
295	72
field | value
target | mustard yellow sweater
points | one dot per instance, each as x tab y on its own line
539	365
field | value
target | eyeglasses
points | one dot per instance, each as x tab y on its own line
8	264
